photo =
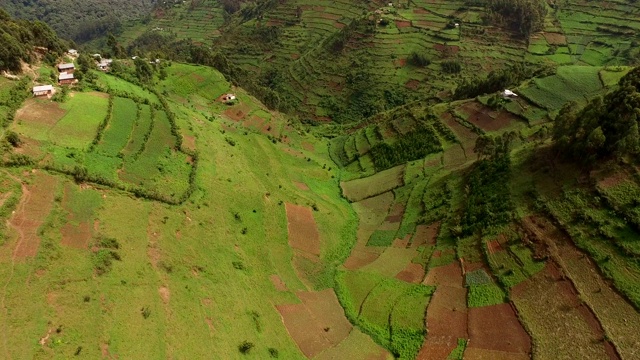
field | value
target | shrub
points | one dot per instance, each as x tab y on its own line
418	60
245	347
273	352
451	66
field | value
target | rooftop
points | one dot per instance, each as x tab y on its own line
66	66
42	88
65	76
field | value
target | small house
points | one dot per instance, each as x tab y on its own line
68	68
104	64
43	90
509	94
227	98
65	78
73	52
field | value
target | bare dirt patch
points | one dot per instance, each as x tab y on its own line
40	111
295	56
555	38
426	235
308	146
473	353
34	206
278	283
360	258
448	49
316	324
420	11
301	185
446	313
189	142
302	228
165	294
395	213
76	236
412	84
403	24
413	273
497	328
481	116
238	112
449	275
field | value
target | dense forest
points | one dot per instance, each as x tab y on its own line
80	20
18	37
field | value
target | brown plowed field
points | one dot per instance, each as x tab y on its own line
472	353
34	206
302	228
301	185
360	258
238	112
278	283
40	111
426	235
481	116
316	324
497	328
446	313
403	24
76	236
413	273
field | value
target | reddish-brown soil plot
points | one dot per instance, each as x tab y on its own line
302	228
497	328
403	24
329	16
472	353
40	111
278	283
479	115
446	313
295	56
426	235
360	258
238	112
76	236
316	324
395	213
189	142
426	24
420	11
413	273
449	49
35	205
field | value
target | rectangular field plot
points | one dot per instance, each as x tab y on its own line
141	130
78	126
125	88
116	135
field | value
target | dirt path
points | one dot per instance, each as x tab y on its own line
26	194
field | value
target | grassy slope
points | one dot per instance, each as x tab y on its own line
189	250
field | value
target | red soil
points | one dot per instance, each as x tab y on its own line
413	273
395	213
302	228
237	112
426	24
426	235
295	56
34	206
420	11
301	186
329	16
339	25
473	353
448	275
497	328
401	62
403	24
479	115
316	324
449	49
278	283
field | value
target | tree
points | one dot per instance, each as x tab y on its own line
144	71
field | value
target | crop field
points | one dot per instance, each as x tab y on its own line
72	124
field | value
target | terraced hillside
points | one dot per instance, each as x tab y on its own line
344	61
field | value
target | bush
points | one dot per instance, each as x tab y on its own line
245	347
13	138
451	66
418	60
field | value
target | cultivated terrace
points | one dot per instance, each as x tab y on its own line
320	180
